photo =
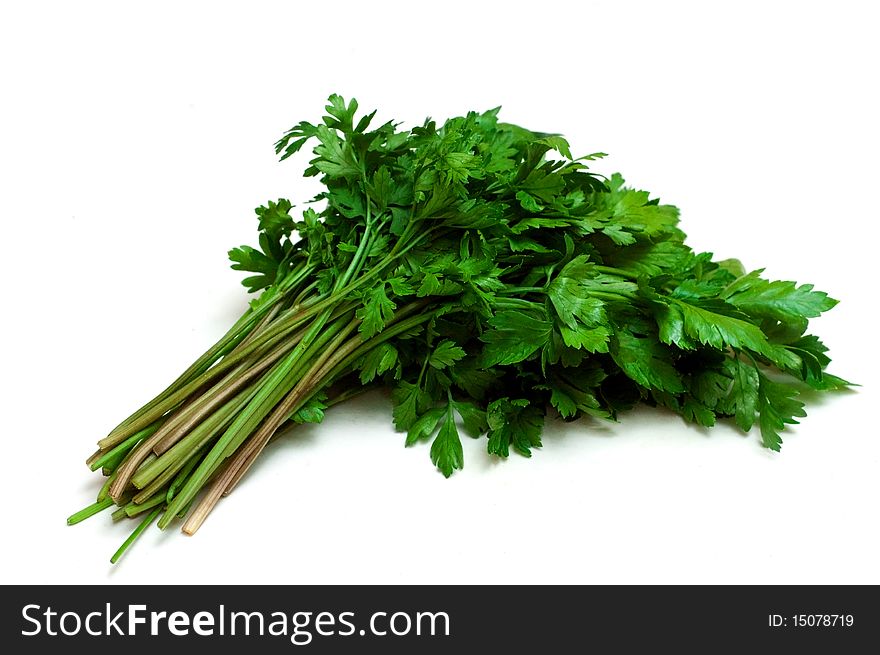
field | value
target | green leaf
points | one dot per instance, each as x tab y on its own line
685	323
424	427
275	219
710	387
650	258
574	391
458	167
634	211
582	272
564	404
583	314
381	188
430	285
343	115
646	361
446	354
312	411
594	340
557	143
377	311
335	157
438	203
542	185
830	382
619	235
514	336
573	302
780	300
400	287
473	380
514	423
529	202
742	400
446	451
537	223
377	361
409	401
524	244
249	259
696	412
294	139
777	407
473	418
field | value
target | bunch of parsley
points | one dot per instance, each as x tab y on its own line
488	278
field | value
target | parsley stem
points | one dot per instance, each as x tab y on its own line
359	255
247	455
271	337
322	373
617	296
133	508
616	271
134	535
269	393
184	473
359	349
112	457
232	336
91	510
104	492
235	380
348	394
153	477
515	303
520	290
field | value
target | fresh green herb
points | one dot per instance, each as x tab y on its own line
488	278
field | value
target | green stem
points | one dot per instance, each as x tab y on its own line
359	255
207	402
133	509
508	290
91	510
613	297
272	336
245	456
174	458
104	492
270	392
204	369
348	394
616	271
515	303
184	474
422	371
237	332
134	535
113	457
339	366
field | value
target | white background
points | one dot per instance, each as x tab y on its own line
135	142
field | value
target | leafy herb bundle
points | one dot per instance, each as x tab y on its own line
487	278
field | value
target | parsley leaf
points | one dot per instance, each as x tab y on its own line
777	408
445	354
514	336
514	423
377	310
781	301
446	450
